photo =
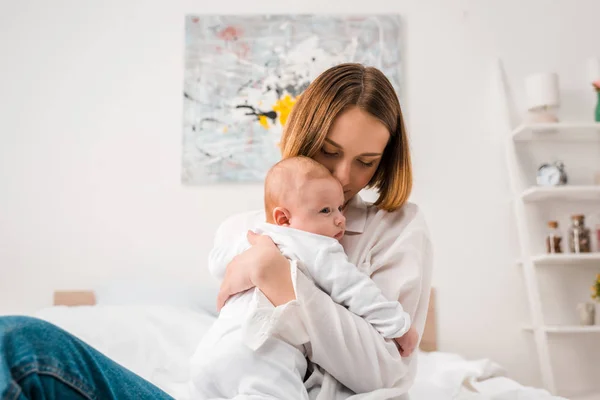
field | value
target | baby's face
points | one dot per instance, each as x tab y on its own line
319	209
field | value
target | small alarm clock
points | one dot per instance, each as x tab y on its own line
552	174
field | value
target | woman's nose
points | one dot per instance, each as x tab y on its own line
341	172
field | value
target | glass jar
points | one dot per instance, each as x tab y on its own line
597	110
553	238
579	235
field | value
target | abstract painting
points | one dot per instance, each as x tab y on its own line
243	75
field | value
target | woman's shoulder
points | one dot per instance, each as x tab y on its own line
409	217
241	221
400	240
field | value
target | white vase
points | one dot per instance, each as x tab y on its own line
587	313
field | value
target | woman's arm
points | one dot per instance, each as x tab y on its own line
261	265
347	346
342	343
353	289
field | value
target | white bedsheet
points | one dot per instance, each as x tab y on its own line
450	376
156	342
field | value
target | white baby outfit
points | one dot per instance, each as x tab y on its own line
240	357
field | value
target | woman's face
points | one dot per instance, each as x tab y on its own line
353	149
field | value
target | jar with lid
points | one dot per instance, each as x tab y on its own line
598	237
553	238
579	235
596	234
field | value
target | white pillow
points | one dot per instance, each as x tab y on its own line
196	296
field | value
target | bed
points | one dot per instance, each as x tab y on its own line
154	329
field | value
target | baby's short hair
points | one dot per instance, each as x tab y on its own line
287	176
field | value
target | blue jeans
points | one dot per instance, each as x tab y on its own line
39	360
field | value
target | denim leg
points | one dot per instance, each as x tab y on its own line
39	360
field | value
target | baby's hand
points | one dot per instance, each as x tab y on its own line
408	342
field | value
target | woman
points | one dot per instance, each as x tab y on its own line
348	119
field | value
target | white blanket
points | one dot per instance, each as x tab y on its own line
450	376
156	342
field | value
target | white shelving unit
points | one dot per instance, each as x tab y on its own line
589	259
561	193
566	329
592	396
569	132
525	197
577	260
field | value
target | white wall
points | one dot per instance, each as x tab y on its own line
90	141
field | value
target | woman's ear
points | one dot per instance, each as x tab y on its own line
281	216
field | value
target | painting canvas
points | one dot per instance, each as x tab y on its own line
243	75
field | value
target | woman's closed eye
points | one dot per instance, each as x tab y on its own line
333	154
329	154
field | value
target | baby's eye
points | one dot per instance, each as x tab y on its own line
340	208
326	210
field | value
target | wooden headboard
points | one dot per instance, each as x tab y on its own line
88	298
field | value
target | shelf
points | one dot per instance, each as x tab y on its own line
573	193
587	259
589	396
561	131
566	329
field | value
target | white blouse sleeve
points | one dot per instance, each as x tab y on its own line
230	240
339	341
347	346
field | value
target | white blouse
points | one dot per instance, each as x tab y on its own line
348	356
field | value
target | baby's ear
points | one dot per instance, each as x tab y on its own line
281	216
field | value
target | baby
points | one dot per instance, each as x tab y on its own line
303	205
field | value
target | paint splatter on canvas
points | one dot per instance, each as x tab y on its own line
244	73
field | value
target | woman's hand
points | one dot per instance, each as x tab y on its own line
262	266
406	344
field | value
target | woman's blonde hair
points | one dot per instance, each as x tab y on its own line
333	91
